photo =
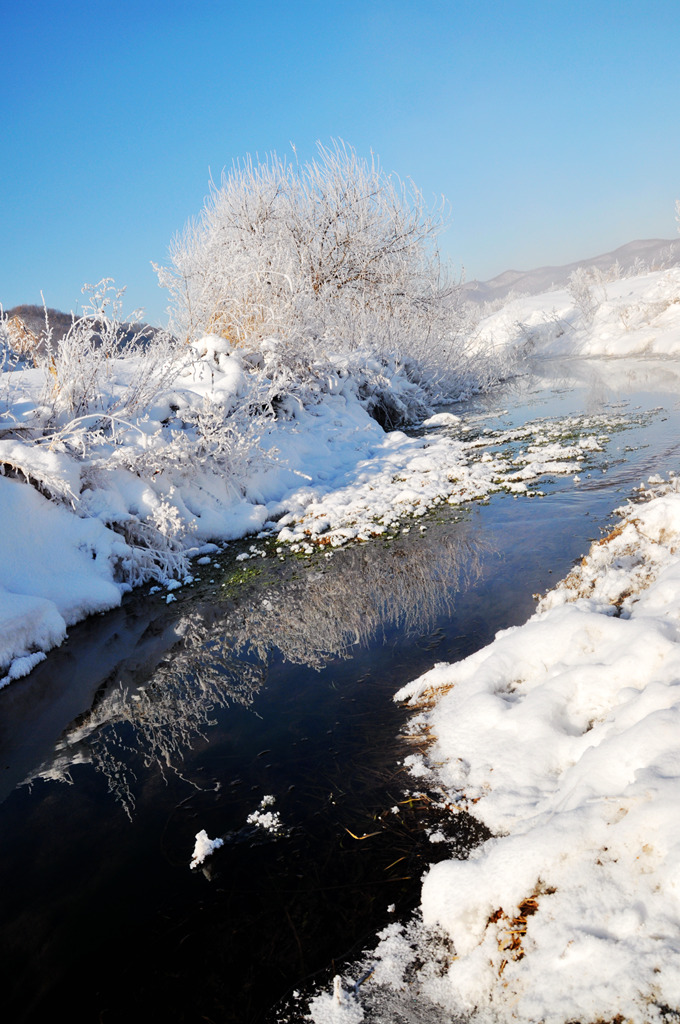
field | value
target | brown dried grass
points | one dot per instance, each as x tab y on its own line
512	930
22	338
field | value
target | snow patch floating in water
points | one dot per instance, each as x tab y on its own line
203	848
270	821
441	419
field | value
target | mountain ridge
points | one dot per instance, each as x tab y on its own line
654	253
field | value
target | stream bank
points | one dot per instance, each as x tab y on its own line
157	720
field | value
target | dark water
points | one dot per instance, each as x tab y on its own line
156	720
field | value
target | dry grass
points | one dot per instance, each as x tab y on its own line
429	698
422	739
616	532
236	327
22	339
512	930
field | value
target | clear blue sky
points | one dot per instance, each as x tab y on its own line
551	126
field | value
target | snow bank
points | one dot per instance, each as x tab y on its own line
632	316
55	568
95	504
562	737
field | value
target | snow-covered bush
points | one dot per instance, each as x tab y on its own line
124	424
276	240
298	263
104	365
588	288
10	360
4	332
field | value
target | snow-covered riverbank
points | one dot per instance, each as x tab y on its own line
137	462
558	736
562	738
91	525
598	315
128	490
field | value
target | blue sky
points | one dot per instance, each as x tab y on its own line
551	127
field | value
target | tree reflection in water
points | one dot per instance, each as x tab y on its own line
306	613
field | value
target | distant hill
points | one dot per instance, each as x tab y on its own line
34	318
651	253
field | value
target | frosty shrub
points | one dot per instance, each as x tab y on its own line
581	290
9	358
99	381
298	262
120	422
588	287
104	365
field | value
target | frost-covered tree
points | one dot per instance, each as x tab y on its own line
331	256
279	238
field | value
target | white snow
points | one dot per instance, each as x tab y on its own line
111	499
562	737
55	568
203	848
269	821
618	317
339	1008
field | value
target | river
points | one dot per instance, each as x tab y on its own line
266	689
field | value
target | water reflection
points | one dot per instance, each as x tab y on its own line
98	917
606	379
218	652
549	386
